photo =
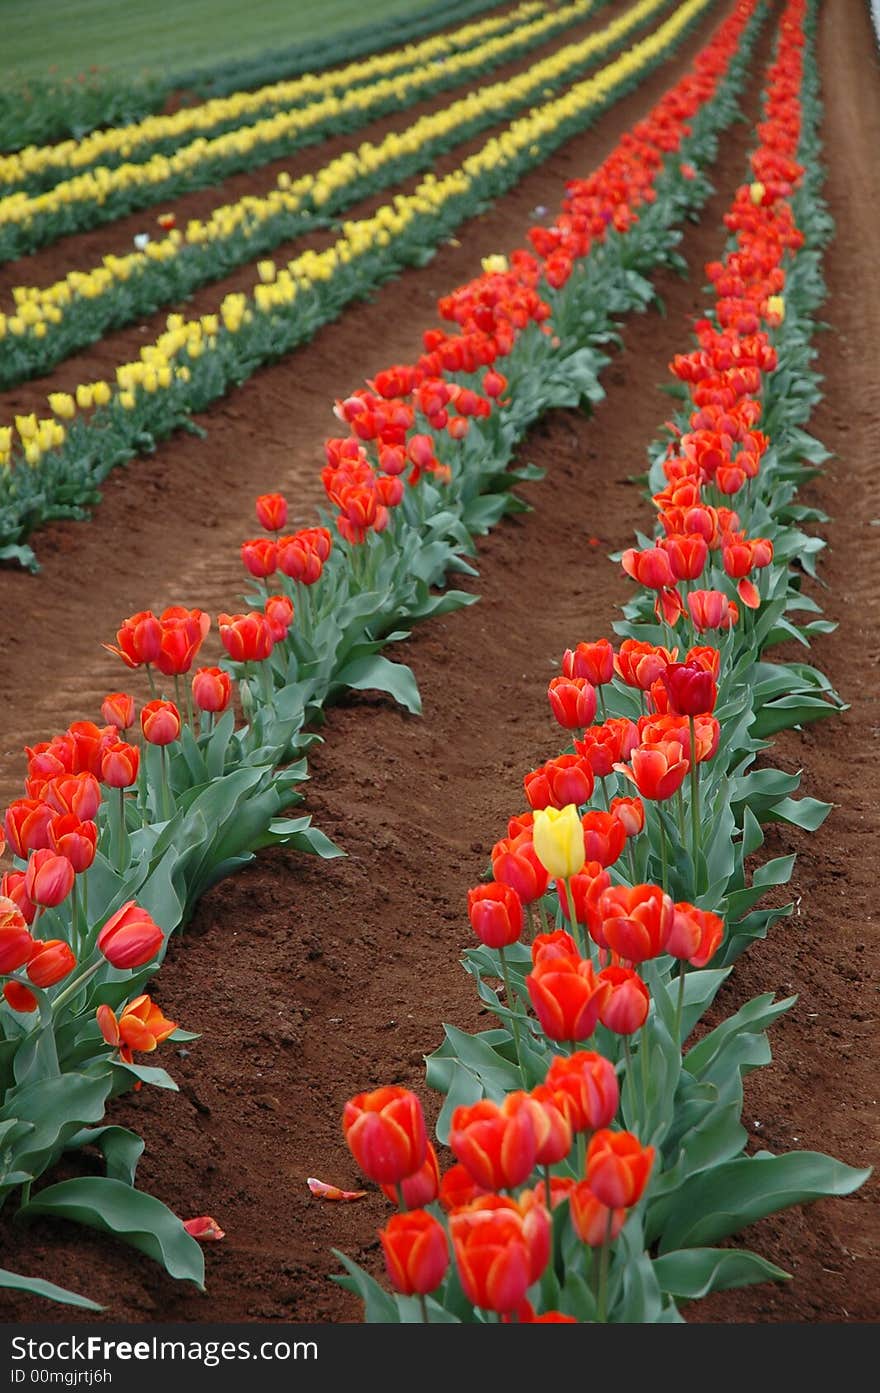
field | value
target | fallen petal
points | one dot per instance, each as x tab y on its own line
332	1192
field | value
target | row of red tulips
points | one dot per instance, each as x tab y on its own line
200	793
588	1182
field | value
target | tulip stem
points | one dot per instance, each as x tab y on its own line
577	932
545	927
679	1007
629	1081
167	800
401	1202
664	873
602	1295
153	693
602	707
604	792
548	1189
424	1306
631	862
75	986
121	859
511	1006
695	795
679	803
643	1056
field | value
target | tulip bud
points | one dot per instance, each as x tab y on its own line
272	511
495	912
117	709
385	1132
416	1252
559	841
590	1217
211	689
52	961
48	878
130	937
572	701
20	997
618	1167
160	722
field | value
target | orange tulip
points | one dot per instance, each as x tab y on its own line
618	1167
496	1141
416	1252
130	938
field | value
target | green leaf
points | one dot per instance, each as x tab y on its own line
694	1272
14	1281
718	1202
379	1307
137	1218
807	813
375	673
121	1149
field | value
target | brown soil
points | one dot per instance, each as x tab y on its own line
308	981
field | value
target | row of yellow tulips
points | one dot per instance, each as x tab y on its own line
104	192
130	141
50	322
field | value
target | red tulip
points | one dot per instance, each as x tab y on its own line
12	887
247	638
495	912
567	779
79	794
139	640
593	1222
691	688
160	722
626	1009
211	689
639	664
75	840
572	701
260	557
515	863
27	825
658	770
586	887
650	567
604	837
711	609
618	1167
567	997
48	878
585	1085
500	1248
278	610
299	558
120	764
52	961
696	934
421	1187
20	997
272	511
557	944
117	709
416	1253
385	1132
458	1188
130	937
637	921
630	813
594	661
183	633
16	944
496	1142
687	554
553	1130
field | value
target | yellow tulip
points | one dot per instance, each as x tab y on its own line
756	192
558	836
100	393
84	396
127	400
495	264
62	404
266	271
776	306
27	426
